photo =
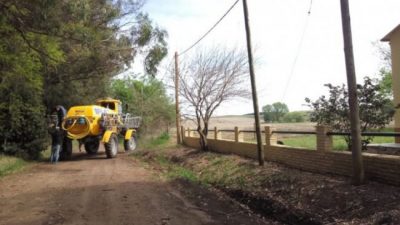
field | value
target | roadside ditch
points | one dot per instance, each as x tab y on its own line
276	192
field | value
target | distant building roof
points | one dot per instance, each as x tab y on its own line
389	35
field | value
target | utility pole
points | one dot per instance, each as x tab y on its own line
260	150
358	167
178	116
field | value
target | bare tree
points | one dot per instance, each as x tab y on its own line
207	80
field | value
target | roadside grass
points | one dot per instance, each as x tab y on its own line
154	142
155	146
45	155
10	164
204	168
173	171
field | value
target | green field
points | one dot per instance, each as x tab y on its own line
339	144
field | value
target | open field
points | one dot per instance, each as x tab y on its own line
246	122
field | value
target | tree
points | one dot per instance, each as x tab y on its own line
294	117
267	113
376	109
103	45
385	82
146	97
385	71
209	79
65	52
275	112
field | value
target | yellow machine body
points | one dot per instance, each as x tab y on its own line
83	121
129	134
91	116
103	122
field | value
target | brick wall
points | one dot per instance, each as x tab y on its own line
382	168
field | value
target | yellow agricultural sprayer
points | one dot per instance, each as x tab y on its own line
103	122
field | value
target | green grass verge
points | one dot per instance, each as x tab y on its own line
154	142
157	145
9	164
212	169
173	171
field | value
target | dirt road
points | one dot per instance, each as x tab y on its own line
95	190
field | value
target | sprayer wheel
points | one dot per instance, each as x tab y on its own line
131	144
112	146
92	146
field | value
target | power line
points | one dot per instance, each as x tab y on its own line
309	9
297	52
209	31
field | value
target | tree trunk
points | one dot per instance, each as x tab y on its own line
203	142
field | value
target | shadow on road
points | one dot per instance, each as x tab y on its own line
79	156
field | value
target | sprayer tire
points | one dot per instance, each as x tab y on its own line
131	144
66	151
92	146
112	146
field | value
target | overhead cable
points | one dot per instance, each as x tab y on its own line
209	31
297	52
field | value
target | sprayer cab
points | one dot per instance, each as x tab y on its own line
112	104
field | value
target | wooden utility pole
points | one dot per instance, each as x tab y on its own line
358	167
260	150
178	115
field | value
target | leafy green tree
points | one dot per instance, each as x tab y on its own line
65	52
146	98
103	45
385	82
275	112
267	113
376	109
22	59
385	72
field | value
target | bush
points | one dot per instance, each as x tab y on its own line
295	117
376	109
22	124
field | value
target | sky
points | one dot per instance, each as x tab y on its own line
297	53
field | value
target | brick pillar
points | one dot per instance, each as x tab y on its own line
270	138
189	132
324	142
238	135
396	139
217	134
